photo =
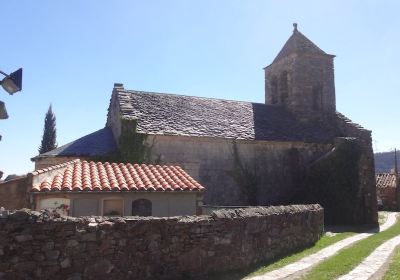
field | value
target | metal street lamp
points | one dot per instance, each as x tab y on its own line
12	83
3	111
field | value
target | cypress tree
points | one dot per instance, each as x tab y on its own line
49	133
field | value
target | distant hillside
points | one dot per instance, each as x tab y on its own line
384	162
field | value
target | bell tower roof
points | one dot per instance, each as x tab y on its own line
299	44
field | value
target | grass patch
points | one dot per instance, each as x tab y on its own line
393	273
349	258
325	241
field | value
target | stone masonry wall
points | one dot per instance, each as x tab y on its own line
278	167
13	193
303	73
34	245
388	196
366	169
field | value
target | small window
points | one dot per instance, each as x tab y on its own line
141	207
113	207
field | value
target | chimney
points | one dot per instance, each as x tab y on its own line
118	85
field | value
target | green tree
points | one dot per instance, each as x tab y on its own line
49	133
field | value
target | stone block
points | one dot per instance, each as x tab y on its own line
100	268
23	238
52	255
72	243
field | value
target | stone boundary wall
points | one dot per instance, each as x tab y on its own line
36	245
14	193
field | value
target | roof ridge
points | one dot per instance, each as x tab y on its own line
118	163
191	96
53	167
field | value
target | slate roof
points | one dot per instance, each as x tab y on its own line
170	114
298	43
83	176
385	180
100	142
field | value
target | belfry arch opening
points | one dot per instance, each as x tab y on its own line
283	87
317	97
274	90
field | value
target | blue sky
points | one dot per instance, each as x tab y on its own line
73	51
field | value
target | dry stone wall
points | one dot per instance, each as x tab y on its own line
35	245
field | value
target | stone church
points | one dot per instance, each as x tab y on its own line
295	148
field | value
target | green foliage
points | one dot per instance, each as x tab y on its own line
132	146
245	176
281	261
393	273
325	241
333	182
49	133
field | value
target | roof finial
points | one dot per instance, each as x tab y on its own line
295	27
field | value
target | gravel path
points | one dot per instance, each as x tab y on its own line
297	268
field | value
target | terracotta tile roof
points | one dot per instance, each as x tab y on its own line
96	176
171	114
385	180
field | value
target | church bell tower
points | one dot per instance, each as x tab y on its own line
301	79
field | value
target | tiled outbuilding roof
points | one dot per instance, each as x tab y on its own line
170	114
83	176
385	180
100	142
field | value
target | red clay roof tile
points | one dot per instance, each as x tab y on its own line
90	176
385	180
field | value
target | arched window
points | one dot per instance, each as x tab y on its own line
141	207
317	97
274	90
283	86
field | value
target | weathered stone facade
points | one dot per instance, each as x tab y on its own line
212	162
36	246
249	153
301	78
